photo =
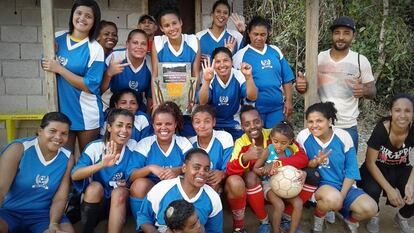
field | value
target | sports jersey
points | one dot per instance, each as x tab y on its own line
186	53
341	163
208	42
270	70
206	202
137	79
219	149
36	180
149	153
85	59
108	176
336	80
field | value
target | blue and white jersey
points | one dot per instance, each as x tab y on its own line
138	80
149	152
219	149
36	180
341	163
208	42
186	53
108	176
85	59
270	71
207	204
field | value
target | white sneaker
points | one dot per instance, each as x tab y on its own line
402	223
330	217
352	226
373	224
318	224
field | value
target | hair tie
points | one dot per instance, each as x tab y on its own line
170	212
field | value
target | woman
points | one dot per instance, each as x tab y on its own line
217	143
35	179
181	217
107	36
332	151
224	88
271	73
387	165
102	171
130	68
79	69
192	188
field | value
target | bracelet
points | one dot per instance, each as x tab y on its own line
241	162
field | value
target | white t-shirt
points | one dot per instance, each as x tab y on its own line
335	84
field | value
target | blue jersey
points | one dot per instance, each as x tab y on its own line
341	163
36	180
270	71
85	59
207	204
150	153
138	80
219	149
208	42
108	176
186	53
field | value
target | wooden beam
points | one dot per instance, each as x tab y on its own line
198	15
48	39
311	60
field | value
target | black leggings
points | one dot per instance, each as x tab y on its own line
397	176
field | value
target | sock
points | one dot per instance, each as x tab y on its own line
352	219
255	198
237	207
135	204
90	214
319	213
305	195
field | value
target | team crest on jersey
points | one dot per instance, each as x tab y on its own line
41	182
133	85
325	164
266	64
117	177
223	100
62	60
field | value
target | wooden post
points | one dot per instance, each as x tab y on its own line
311	60
48	39
198	15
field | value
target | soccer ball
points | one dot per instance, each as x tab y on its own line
285	183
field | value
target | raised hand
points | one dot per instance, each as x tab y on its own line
208	69
246	69
110	156
322	157
115	67
301	84
239	22
230	43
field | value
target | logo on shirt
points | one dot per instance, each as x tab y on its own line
62	60
223	100
41	182
117	177
133	85
266	64
325	164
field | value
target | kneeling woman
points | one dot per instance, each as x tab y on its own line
107	161
192	188
35	179
332	151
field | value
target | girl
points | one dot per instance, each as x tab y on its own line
282	151
160	156
271	73
337	172
180	217
224	88
102	171
130	68
107	36
387	165
218	144
35	179
79	69
192	188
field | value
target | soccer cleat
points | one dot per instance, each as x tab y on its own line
264	228
318	224
402	223
239	230
330	217
373	224
352	226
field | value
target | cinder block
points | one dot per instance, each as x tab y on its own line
26	69
130	5
31	17
205	21
118	17
27	3
206	6
39	32
36	103
31	51
9	51
122	36
61	17
13	103
23	86
238	6
132	20
10	16
2	86
18	33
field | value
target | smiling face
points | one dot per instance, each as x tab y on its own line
220	16
171	26
108	37
280	142
252	124
258	36
127	101
120	130
203	124
402	113
222	65
83	20
164	125
342	38
319	125
53	136
137	46
196	170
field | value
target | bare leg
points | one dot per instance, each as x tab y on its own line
4	228
117	210
278	207
297	204
328	198
364	207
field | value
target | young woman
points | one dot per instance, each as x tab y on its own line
130	68
102	171
160	156
79	69
181	217
107	36
224	88
192	188
387	165
332	151
271	73
217	143
35	179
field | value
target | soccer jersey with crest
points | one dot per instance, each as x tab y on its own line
270	71
208	42
108	176
186	53
219	149
206	202
85	59
36	180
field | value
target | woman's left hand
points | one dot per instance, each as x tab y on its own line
168	174
409	194
110	156
51	65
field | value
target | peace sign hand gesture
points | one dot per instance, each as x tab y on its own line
208	70
115	67
110	156
322	157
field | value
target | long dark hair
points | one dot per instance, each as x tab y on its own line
173	109
327	109
392	102
256	21
112	115
93	33
54	116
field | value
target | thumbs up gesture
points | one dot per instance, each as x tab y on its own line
358	88
254	152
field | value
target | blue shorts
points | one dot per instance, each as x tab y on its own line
351	196
36	221
353	131
271	119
